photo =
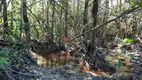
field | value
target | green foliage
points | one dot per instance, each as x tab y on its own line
131	55
4	58
127	40
15	30
134	3
140	77
10	55
123	52
120	63
17	19
59	31
139	4
3	61
12	39
77	69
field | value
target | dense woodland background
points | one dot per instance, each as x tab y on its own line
88	29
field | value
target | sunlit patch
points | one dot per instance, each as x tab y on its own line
84	67
58	58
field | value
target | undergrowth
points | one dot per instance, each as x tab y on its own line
10	55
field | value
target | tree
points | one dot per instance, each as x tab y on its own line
96	60
26	20
105	19
53	18
94	13
85	20
66	19
6	31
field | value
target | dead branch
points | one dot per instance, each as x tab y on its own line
124	13
139	38
10	77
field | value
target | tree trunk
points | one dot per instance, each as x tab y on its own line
85	21
6	32
26	21
47	14
94	13
53	20
105	19
97	61
66	19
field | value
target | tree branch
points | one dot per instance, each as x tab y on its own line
138	38
124	13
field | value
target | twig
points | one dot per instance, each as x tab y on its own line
138	38
10	77
124	13
23	73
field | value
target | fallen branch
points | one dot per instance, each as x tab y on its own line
26	74
10	77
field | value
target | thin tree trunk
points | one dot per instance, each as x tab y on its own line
76	17
66	19
53	20
103	30
94	13
61	21
6	32
120	5
85	19
11	23
26	21
47	14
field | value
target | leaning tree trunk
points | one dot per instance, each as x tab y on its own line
26	21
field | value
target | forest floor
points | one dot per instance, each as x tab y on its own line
127	59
